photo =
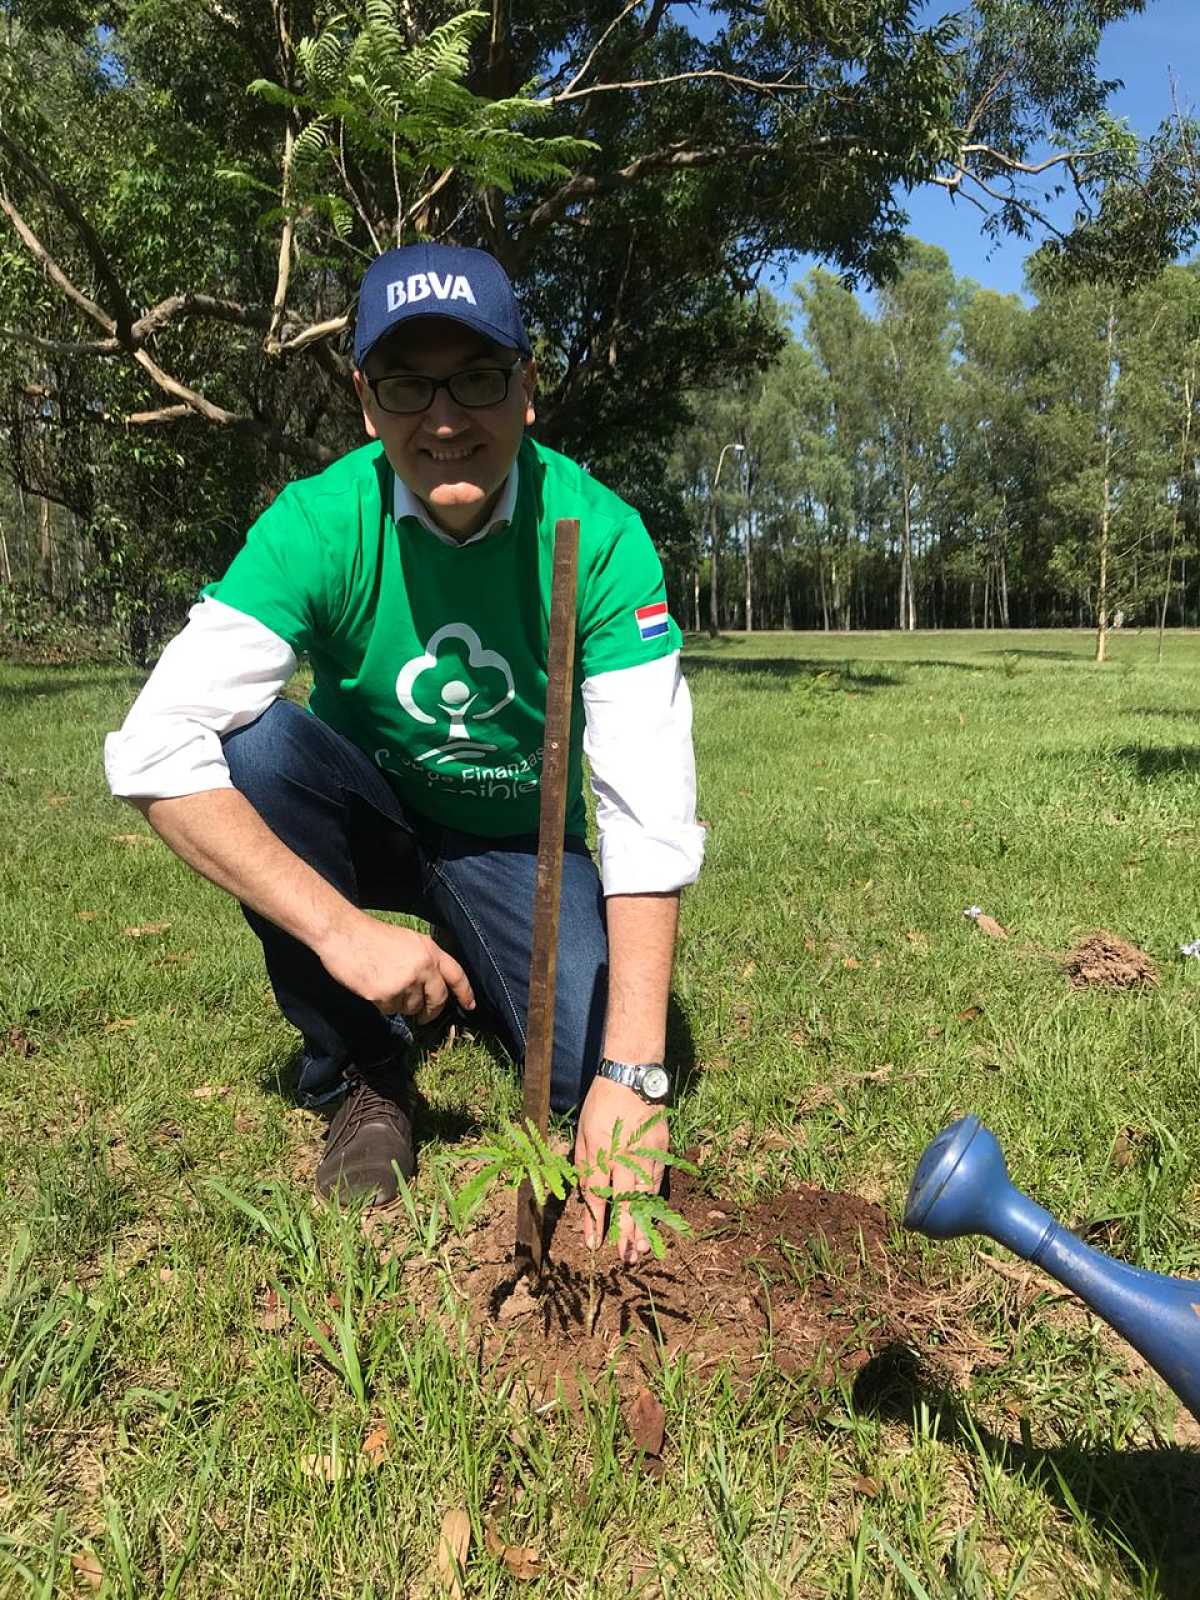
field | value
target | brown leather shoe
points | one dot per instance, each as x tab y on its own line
368	1139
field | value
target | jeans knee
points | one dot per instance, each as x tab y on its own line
273	749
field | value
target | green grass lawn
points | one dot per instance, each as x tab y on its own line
859	792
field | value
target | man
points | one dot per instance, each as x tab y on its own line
415	576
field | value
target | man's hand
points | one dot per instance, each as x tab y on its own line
395	969
607	1104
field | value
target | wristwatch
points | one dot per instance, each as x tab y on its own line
649	1079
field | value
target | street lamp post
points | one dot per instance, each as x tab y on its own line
713	622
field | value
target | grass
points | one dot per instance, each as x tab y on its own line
161	1415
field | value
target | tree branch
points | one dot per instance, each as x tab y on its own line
51	268
87	234
597	47
761	86
63	347
315	332
1066	158
674	157
188	305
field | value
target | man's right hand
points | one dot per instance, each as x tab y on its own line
395	968
219	833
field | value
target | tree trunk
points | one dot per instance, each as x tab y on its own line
45	547
1184	449
749	575
788	622
1106	492
908	609
714	605
696	598
1002	580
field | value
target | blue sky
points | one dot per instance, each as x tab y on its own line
1143	52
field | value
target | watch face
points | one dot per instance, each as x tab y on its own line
656	1083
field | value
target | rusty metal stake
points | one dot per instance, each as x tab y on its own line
543	956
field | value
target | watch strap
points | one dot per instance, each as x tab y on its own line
629	1073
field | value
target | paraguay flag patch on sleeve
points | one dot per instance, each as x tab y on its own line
652	620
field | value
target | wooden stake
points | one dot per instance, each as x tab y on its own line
543	956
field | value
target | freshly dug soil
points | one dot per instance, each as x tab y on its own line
807	1281
1104	961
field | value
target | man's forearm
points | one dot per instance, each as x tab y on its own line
220	834
641	953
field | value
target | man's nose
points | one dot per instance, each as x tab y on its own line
444	412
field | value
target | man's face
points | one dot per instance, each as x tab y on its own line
455	459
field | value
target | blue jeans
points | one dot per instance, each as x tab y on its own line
330	804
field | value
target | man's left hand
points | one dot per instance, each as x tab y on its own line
608	1103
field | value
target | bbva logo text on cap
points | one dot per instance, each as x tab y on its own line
421	285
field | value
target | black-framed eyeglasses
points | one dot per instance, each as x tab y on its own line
406	394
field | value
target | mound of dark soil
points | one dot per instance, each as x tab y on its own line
807	1281
1104	961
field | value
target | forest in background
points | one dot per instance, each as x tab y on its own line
189	193
955	458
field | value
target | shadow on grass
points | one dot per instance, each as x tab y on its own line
1157	761
790	667
1044	655
1176	713
69	681
1146	1502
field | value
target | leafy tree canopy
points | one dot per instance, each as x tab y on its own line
189	196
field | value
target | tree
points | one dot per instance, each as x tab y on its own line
635	176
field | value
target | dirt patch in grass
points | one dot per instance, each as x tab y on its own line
809	1281
1105	961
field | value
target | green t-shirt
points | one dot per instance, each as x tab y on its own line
432	657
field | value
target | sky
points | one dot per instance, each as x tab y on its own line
1143	52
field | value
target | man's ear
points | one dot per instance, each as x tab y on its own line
365	400
529	384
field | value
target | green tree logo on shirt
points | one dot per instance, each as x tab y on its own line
455	679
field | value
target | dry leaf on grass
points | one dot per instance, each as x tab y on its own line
328	1468
990	926
866	1486
120	1024
453	1544
850	963
58	799
376	1445
86	916
133	838
18	1043
272	1313
647	1422
143	929
521	1560
970	1013
210	1091
87	1565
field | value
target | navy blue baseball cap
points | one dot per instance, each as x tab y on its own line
437	280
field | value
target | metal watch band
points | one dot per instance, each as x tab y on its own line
633	1076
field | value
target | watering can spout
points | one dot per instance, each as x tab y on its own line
961	1186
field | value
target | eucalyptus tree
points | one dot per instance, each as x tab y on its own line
1083	436
1160	376
916	332
988	418
848	476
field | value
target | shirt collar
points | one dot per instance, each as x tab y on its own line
406	504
